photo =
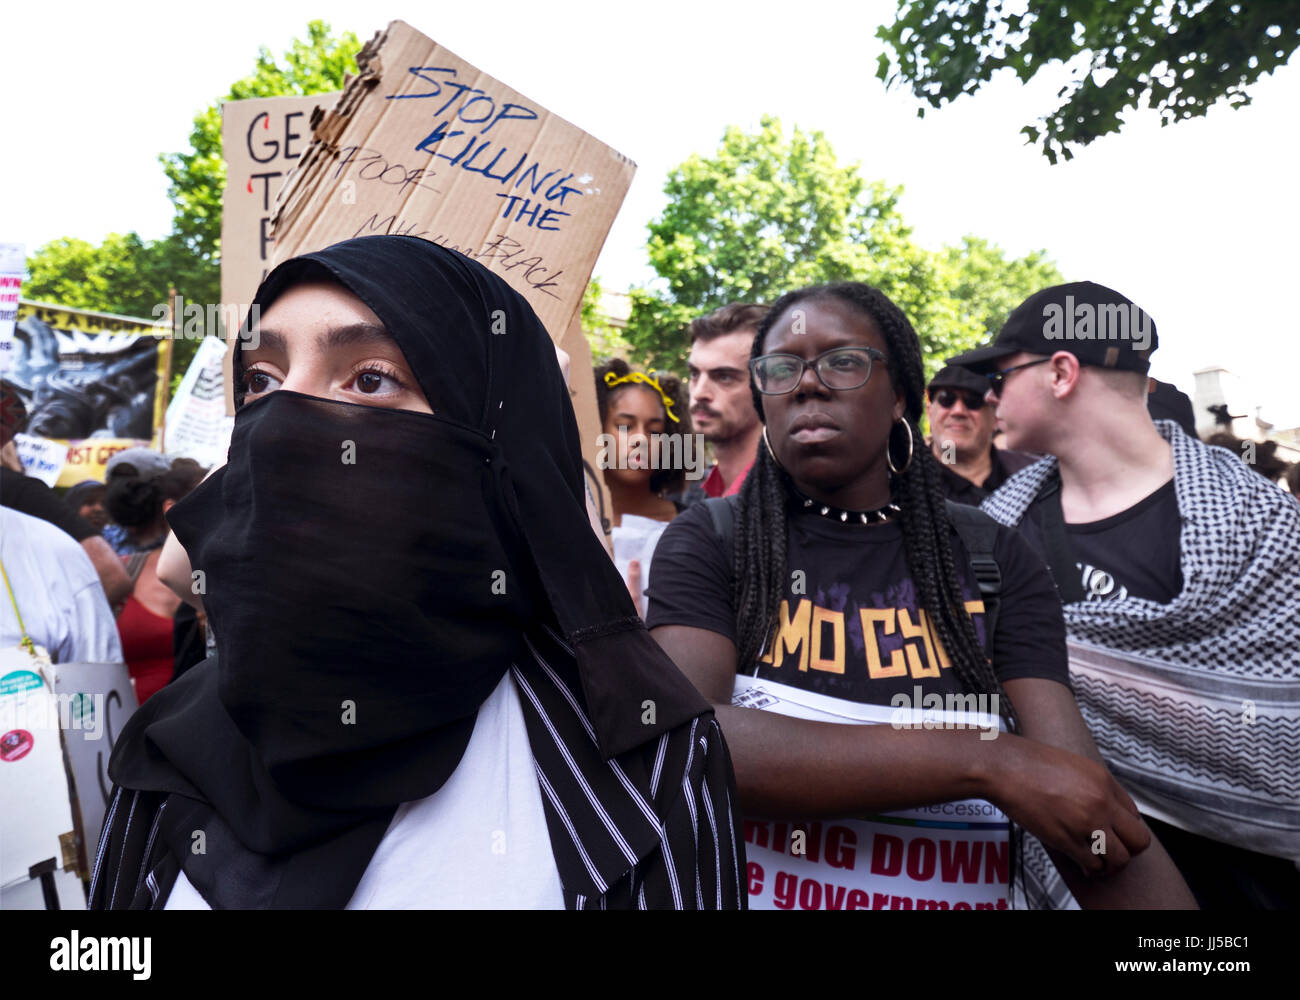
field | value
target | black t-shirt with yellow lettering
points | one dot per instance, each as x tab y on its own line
850	626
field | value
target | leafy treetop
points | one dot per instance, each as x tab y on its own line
1177	56
766	215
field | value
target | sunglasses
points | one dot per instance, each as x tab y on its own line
840	368
999	378
948	398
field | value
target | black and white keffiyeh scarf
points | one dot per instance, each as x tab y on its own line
1195	704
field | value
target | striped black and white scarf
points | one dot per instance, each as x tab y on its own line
1195	704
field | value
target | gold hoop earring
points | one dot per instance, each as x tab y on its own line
775	461
889	459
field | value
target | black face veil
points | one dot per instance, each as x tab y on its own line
365	609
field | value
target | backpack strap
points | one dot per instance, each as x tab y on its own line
979	533
134	564
1056	541
722	510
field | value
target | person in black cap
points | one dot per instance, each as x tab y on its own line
1069	373
1175	564
961	436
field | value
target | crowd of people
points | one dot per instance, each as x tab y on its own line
432	686
82	567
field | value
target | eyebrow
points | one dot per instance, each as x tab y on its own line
339	336
716	371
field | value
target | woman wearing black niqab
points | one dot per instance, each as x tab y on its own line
374	576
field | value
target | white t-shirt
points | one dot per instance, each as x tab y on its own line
636	538
478	843
58	592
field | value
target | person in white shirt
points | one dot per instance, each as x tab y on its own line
57	591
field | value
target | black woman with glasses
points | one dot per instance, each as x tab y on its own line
836	590
962	423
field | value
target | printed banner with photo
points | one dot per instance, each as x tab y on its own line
947	856
92	382
197	425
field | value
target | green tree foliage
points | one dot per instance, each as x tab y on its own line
1178	56
766	215
315	65
129	275
124	274
989	286
605	338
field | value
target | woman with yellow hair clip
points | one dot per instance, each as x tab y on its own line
646	439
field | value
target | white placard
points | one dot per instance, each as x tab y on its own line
42	458
951	855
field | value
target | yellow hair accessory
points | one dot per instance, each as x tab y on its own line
612	380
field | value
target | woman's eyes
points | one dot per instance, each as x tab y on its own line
256	382
372	380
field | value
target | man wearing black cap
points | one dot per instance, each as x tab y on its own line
1176	568
1069	373
961	436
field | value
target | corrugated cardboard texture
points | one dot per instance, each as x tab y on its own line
422	143
262	139
582	390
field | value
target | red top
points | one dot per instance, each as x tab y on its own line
146	647
713	482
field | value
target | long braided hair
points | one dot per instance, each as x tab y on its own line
760	568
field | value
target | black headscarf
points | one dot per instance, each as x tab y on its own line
370	574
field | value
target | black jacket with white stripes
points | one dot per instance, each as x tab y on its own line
653	828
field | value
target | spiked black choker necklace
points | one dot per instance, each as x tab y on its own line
877	516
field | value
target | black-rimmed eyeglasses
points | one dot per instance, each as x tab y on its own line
999	378
840	368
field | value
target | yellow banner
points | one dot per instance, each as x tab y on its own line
95	382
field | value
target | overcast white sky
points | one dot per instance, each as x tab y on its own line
1196	222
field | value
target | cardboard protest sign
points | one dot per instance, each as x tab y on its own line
422	143
92	382
582	391
96	700
262	139
952	855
